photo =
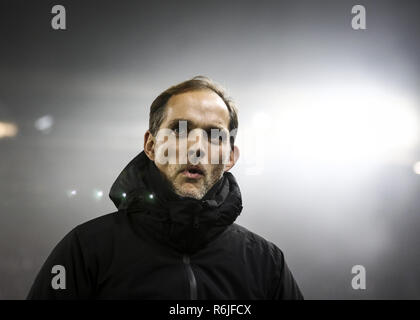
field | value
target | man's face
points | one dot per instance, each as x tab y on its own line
200	111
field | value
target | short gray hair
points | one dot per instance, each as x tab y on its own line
158	107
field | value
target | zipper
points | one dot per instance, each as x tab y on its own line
191	277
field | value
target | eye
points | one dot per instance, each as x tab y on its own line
219	138
180	132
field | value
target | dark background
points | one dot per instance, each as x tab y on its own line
332	112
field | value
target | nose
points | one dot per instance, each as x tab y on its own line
195	154
197	146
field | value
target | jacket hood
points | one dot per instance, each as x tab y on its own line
158	213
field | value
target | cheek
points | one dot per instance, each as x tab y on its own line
166	151
215	153
173	171
219	154
225	154
215	170
162	168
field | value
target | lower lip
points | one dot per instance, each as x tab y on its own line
192	175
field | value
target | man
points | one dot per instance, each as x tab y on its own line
173	236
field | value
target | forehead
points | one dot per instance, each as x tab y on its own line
202	107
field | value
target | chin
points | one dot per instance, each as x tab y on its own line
191	193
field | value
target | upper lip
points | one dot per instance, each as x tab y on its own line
199	169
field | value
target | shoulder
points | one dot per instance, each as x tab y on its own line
97	239
99	232
246	234
98	224
256	242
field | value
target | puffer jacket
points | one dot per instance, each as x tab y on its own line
159	245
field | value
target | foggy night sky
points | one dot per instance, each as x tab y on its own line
97	79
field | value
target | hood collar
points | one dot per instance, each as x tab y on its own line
183	223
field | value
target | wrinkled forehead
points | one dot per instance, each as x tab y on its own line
201	109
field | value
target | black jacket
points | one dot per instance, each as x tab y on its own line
159	245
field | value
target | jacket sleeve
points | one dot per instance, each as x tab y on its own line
284	285
65	274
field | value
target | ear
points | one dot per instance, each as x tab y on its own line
234	156
149	145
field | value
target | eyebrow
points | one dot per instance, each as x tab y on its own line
191	124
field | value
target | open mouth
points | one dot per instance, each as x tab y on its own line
193	173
